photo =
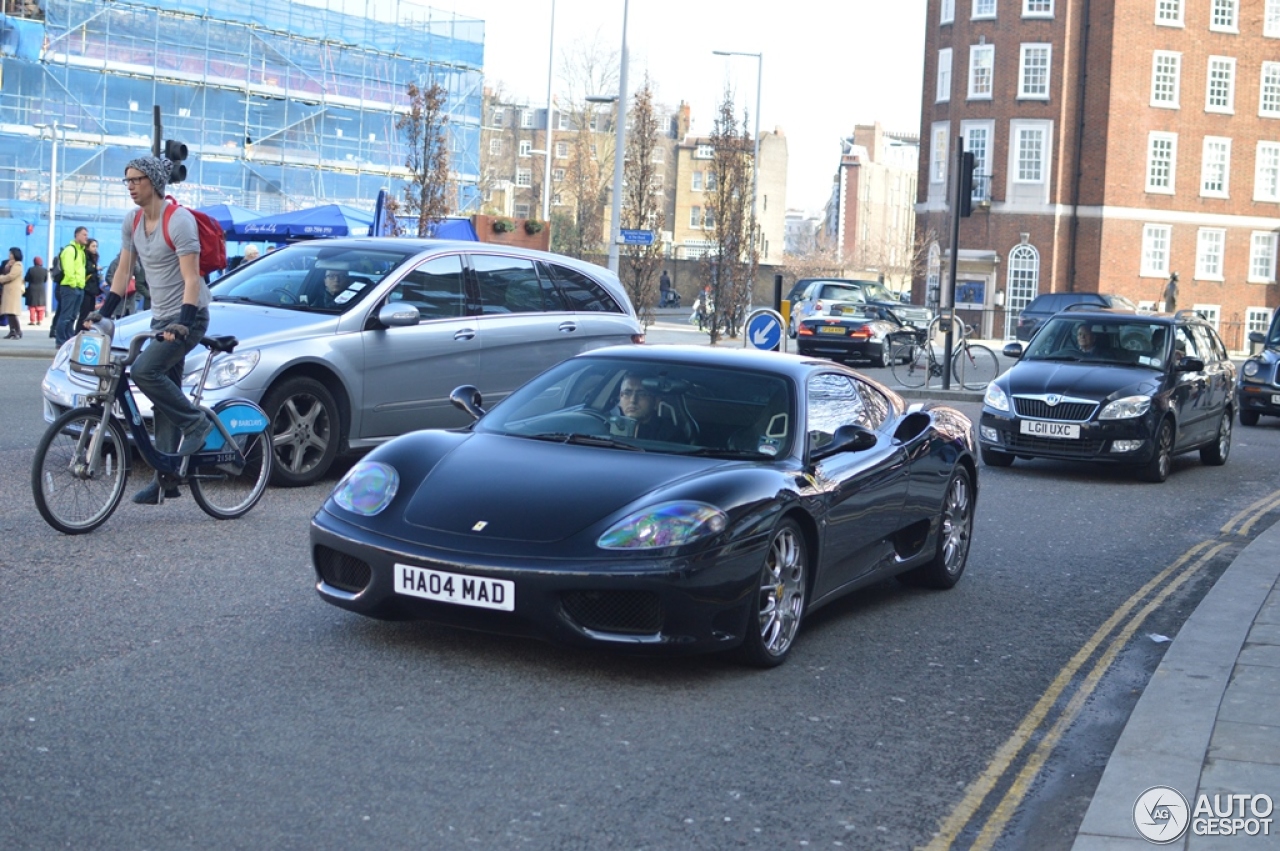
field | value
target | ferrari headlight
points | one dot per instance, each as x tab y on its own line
1126	408
671	524
996	397
225	371
1250	368
367	488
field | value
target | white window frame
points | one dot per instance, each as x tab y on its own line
524	177
947	11
983	10
942	92
557	175
562	120
709	218
1262	257
1271	19
1215	167
1024	70
1211	313
940	149
656	182
1269	89
1220	65
695	217
1172	76
1169	13
1037	8
1211	246
695	184
658	156
526	148
1157	241
1022	133
521	210
704	152
499	115
979	136
1256	319
1266	172
495	147
977	64
562	150
526	118
1158	143
1224	16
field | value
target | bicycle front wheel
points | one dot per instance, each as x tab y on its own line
228	491
73	492
975	366
910	363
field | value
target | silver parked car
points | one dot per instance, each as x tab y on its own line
346	343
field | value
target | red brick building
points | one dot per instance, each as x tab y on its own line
1116	143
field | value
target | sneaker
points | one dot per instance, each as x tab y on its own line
150	495
192	441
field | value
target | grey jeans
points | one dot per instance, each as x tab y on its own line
158	374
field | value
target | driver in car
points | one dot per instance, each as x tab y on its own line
639	403
1088	344
335	282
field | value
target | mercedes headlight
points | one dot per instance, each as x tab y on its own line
996	397
63	355
1126	408
367	488
225	371
671	524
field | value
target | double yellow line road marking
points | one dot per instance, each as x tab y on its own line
1102	647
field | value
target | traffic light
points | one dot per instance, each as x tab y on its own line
965	201
176	152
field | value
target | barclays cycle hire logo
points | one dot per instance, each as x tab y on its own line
1162	815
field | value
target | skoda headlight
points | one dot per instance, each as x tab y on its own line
1126	408
1250	368
225	370
996	397
671	524
367	488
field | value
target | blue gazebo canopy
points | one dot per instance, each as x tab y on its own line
314	222
229	215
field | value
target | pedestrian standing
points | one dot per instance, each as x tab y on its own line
664	290
37	278
11	283
92	282
71	288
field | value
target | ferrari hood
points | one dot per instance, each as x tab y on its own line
1082	381
516	489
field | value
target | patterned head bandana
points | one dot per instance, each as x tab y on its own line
155	168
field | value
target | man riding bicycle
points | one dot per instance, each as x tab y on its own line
180	310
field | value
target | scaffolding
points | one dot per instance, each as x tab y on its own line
283	104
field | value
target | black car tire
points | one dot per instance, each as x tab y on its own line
884	360
1248	418
1157	469
1215	454
995	458
305	431
781	597
955	532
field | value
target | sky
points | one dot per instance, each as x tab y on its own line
826	64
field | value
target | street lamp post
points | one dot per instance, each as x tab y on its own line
755	157
53	127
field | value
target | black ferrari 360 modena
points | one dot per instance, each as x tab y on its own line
655	499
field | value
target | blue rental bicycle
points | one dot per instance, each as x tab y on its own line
82	462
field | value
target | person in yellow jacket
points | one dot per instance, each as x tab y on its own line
71	289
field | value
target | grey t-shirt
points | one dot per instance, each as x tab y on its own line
164	274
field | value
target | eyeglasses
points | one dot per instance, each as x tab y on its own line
133	181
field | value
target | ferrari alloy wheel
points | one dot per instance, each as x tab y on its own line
955	532
780	599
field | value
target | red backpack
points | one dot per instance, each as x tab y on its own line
213	243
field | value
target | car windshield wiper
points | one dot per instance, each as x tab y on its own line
712	452
585	440
1067	358
242	299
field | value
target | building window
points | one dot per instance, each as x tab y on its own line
1256	319
521	211
1169	13
526	147
1271	19
709	218
1029	154
1269	97
557	175
1224	16
947	14
655	182
659	156
938	157
696	185
562	120
526	118
562	150
1210	313
1215	167
704	152
1022	285
711	187
984	9
524	177
1221	89
1266	176
1037	8
1155	251
944	76
1209	243
1033	73
977	138
982	59
695	217
1262	257
499	115
495	147
595	151
1162	156
1166	72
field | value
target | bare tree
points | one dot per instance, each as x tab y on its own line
730	267
590	70
428	193
642	204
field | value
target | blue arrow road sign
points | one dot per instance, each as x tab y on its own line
636	237
764	331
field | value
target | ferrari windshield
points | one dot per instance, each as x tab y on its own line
669	407
1129	341
316	277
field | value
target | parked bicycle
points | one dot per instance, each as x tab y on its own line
916	363
81	464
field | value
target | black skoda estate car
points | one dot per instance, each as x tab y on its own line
1113	386
1258	392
